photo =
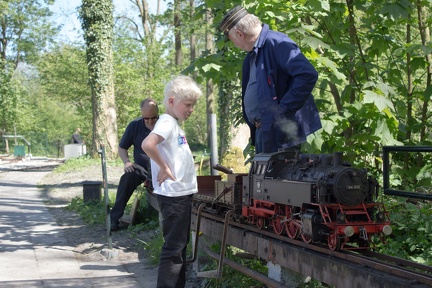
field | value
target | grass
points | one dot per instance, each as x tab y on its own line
78	163
153	246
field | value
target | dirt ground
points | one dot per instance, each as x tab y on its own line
58	191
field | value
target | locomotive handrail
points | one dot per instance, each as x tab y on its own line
386	171
223	169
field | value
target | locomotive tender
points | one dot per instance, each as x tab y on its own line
315	197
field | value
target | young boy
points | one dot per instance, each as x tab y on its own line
174	178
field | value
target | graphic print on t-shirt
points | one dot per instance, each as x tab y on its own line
181	139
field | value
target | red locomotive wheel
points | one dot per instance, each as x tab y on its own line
278	226
305	238
334	243
292	229
260	223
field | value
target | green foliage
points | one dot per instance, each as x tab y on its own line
231	277
140	71
147	216
25	29
154	247
12	95
97	23
233	159
203	161
63	78
25	32
194	125
410	171
91	213
412	227
361	57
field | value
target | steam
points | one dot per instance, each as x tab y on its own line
289	128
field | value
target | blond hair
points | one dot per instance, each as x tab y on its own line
181	88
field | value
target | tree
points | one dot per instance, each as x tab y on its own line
141	70
62	77
145	62
97	22
24	33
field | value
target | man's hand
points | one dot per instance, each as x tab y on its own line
128	167
257	124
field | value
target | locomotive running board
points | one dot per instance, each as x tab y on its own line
217	273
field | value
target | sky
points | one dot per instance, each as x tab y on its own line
65	14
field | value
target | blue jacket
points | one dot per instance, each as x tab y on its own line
285	80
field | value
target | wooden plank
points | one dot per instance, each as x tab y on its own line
131	218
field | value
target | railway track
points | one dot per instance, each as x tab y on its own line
416	274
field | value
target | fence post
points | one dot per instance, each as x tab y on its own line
106	198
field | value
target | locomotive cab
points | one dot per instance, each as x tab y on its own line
266	184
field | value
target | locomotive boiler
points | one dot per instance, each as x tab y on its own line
314	197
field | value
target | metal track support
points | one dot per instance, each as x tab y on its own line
198	225
217	273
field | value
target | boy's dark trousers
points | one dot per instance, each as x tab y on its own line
176	221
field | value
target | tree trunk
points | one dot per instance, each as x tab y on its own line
192	34
210	97
177	33
423	13
145	18
97	23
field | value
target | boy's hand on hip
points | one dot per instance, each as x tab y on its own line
164	174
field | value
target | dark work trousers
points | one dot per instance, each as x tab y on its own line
129	181
176	221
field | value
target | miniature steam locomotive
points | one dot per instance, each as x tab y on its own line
315	197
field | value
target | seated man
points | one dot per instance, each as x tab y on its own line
138	171
76	137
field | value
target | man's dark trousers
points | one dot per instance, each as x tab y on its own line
127	185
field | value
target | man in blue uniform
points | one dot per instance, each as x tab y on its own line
138	171
277	83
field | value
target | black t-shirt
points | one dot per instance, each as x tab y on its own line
134	135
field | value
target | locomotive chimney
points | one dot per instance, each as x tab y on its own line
325	160
337	159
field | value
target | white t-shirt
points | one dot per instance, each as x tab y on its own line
175	150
